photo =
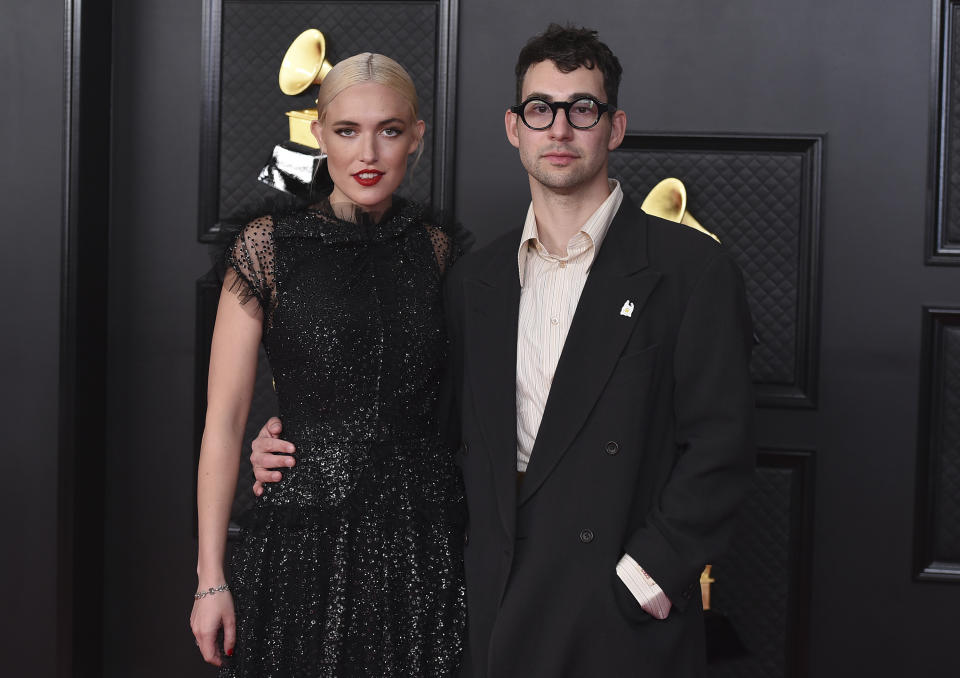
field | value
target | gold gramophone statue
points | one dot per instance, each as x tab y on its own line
296	165
668	200
304	64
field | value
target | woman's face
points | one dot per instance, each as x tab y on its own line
367	134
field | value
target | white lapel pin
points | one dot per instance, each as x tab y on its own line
627	309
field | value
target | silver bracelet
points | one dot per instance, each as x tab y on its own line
209	592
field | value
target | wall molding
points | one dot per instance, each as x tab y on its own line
84	270
937	540
942	241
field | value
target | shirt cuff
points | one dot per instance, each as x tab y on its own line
650	596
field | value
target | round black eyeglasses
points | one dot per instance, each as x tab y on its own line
583	113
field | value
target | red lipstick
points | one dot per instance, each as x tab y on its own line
367	177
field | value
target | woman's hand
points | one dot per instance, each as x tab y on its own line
209	614
270	453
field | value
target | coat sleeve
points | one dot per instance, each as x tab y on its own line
693	514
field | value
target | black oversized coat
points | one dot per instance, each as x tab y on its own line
646	447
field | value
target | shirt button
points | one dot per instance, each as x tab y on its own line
554	321
586	536
612	447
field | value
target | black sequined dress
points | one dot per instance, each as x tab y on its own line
351	565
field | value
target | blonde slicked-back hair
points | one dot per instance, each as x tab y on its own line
368	67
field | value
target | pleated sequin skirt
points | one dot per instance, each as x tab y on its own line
372	587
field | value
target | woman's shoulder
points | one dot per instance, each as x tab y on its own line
257	228
432	220
450	240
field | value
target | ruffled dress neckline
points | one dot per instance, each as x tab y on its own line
335	230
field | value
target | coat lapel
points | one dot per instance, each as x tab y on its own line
493	300
595	341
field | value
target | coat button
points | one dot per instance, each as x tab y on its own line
612	447
463	450
586	536
466	538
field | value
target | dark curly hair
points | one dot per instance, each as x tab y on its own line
569	48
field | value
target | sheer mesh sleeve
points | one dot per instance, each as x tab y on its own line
450	242
251	256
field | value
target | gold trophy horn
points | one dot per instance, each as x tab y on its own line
304	64
668	200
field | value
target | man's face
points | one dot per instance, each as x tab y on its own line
562	157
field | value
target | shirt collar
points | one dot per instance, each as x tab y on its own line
595	228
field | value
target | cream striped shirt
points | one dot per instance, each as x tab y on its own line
550	288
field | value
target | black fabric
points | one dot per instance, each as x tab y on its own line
670	385
352	564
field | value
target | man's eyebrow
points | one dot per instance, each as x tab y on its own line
576	96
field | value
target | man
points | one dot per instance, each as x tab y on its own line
603	397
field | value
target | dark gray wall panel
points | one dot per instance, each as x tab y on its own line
938	478
31	135
948	449
762	585
150	559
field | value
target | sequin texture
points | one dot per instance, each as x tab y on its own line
352	564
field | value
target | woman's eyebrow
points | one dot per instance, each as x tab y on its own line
388	121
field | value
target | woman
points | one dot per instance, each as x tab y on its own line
351	565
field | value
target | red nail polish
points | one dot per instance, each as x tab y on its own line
230	652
